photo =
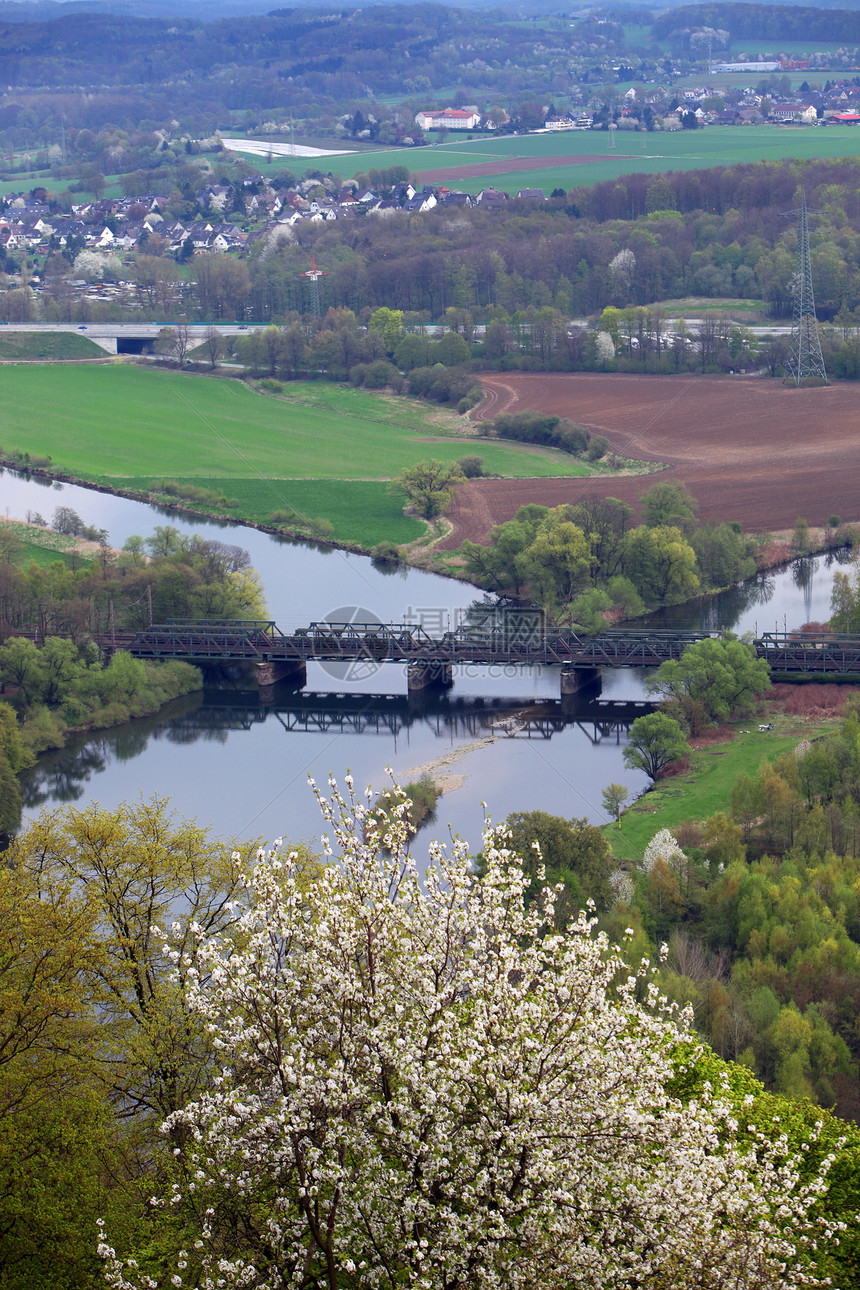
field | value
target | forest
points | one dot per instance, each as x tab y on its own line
311	68
764	21
144	72
582	561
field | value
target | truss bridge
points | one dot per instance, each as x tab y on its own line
430	660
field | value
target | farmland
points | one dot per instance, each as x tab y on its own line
326	452
744	446
572	158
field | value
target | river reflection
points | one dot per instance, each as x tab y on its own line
240	763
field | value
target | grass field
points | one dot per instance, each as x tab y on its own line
646	153
700	792
704	789
31	346
694	306
325	451
360	511
652	153
32	544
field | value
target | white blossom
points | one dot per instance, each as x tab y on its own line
665	847
622	886
429	1084
604	347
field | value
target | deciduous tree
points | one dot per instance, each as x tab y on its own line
721	675
424	1084
429	486
655	742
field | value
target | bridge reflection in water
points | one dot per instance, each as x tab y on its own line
394	714
424	721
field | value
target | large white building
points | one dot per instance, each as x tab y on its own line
449	119
745	67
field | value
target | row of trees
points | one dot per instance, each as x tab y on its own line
61	687
63	683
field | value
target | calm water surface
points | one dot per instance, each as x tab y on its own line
241	764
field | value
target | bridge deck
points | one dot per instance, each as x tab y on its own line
260	642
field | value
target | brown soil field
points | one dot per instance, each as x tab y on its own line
509	167
748	448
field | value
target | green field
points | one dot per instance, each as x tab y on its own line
634	152
325	451
25	346
32	544
704	789
360	511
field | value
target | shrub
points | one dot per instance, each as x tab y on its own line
376	376
551	431
322	527
470	399
571	438
526	427
442	384
472	467
597	448
272	386
385	551
625	596
423	795
42	730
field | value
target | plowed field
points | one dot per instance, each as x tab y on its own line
750	449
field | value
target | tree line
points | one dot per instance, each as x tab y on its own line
766	22
580	560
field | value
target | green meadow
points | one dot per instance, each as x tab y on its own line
323	451
24	346
28	544
704	789
591	157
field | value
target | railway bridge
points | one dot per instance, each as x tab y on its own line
430	660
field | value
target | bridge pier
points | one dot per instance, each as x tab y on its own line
576	679
423	676
275	670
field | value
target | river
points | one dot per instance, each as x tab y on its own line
240	765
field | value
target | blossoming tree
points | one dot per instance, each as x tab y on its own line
424	1084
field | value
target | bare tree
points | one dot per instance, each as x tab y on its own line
214	345
173	343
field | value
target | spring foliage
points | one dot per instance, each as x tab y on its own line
425	1084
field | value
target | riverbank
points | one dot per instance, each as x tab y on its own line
314	462
421	552
702	786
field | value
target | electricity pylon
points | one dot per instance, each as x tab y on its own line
805	359
314	274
